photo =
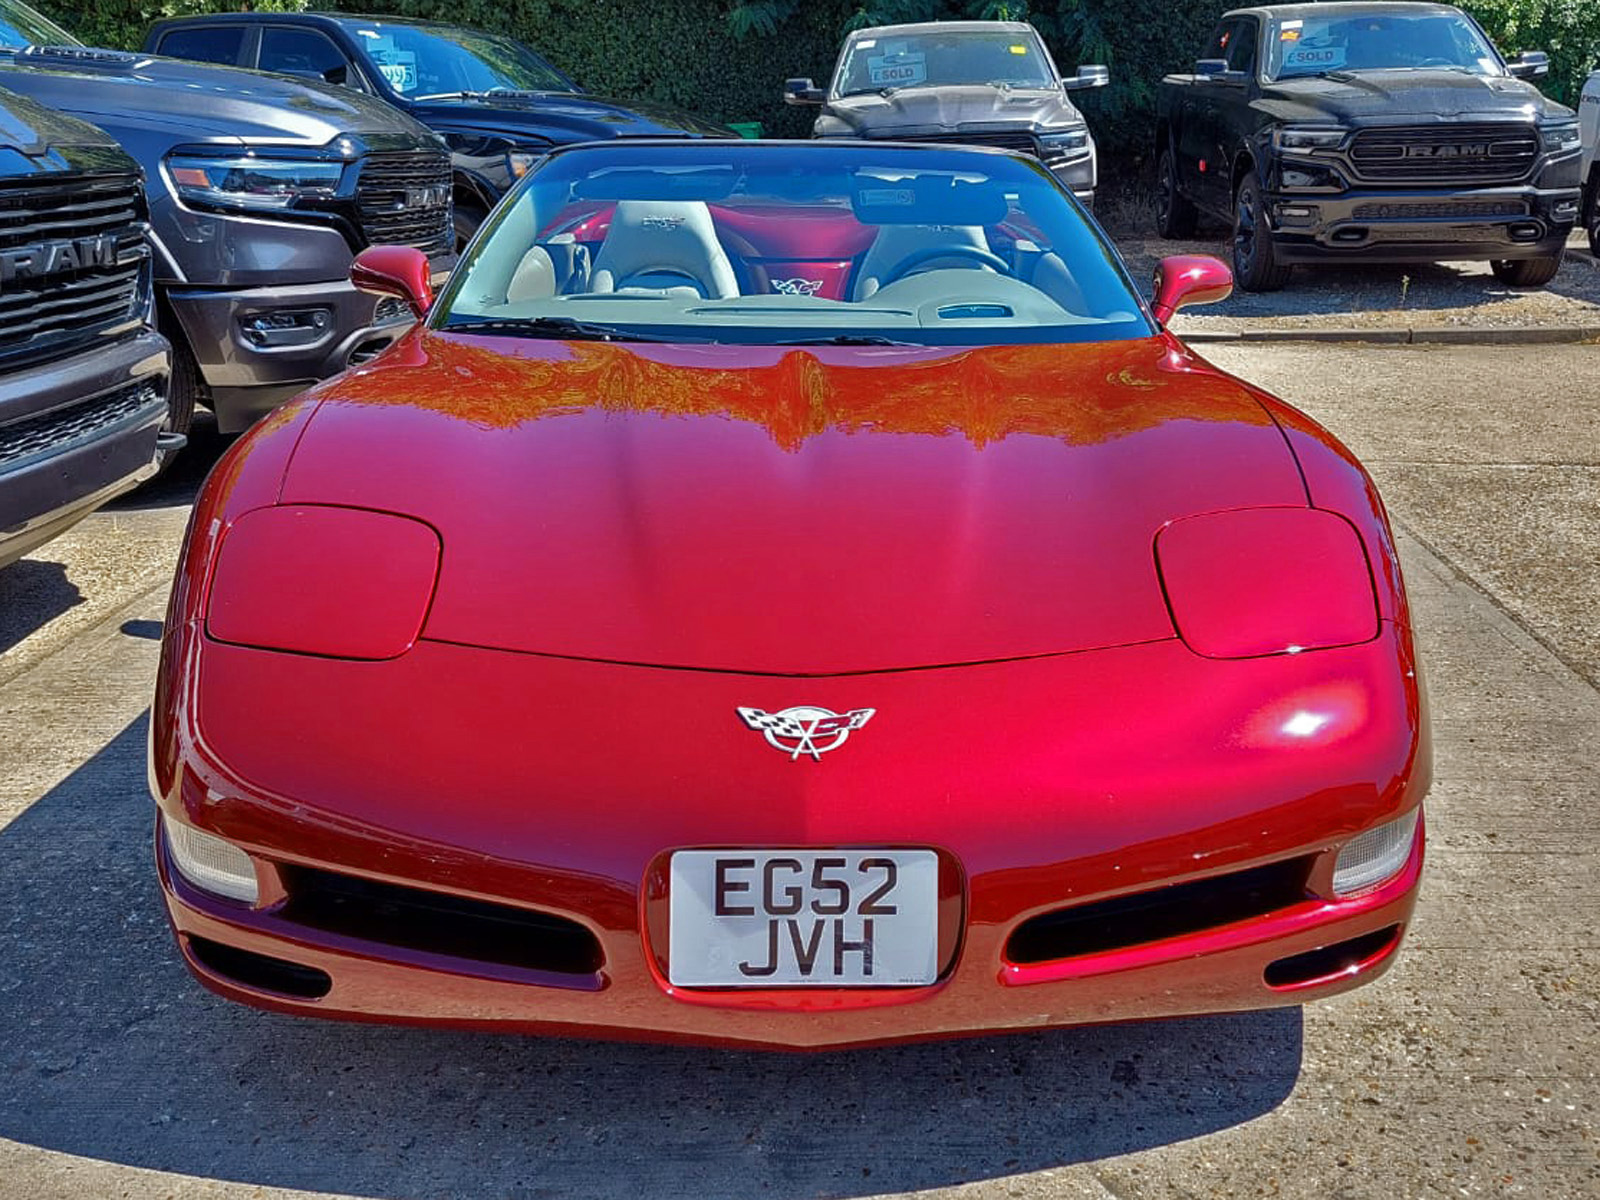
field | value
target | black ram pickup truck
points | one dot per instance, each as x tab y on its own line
497	103
83	374
1369	132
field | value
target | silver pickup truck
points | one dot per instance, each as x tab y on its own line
1589	131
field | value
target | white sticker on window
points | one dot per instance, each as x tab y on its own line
1315	58
866	43
897	70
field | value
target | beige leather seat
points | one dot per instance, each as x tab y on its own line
896	245
665	248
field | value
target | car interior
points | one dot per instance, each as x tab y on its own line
933	250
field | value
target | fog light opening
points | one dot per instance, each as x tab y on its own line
1373	858
287	327
1526	231
260	972
1328	963
211	864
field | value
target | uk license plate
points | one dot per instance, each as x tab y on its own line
803	918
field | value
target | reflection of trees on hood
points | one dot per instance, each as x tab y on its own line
1080	394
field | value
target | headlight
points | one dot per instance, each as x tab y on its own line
210	863
1374	857
1074	142
334	582
1560	138
250	181
1305	137
1260	581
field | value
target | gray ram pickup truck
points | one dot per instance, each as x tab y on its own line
261	189
83	374
1367	132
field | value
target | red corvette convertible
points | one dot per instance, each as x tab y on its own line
787	594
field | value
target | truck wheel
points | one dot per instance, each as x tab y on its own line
1255	266
184	388
467	219
1526	272
1176	217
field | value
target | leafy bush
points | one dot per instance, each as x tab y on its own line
727	59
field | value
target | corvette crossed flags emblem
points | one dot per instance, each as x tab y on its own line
806	729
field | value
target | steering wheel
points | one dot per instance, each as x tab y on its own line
911	262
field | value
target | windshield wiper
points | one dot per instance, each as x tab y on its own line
566	328
848	339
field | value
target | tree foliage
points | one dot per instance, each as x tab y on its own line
727	59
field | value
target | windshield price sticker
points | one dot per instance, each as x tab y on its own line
1321	58
897	70
803	918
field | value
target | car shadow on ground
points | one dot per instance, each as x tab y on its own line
33	592
110	1051
1375	288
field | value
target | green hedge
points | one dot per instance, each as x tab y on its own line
727	59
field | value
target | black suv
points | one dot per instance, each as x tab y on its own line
261	190
1387	132
83	374
497	103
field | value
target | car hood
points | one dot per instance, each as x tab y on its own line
912	111
564	117
35	139
1407	97
773	509
208	102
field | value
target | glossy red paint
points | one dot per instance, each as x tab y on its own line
638	540
398	271
1187	279
270	589
1302	574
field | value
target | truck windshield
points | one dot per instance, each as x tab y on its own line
774	243
423	62
944	58
1379	41
21	26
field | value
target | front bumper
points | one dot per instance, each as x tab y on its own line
1421	225
74	434
250	367
560	787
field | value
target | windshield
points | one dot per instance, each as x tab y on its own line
792	244
439	60
21	26
944	58
1379	42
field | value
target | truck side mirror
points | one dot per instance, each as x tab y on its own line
801	91
1185	279
1532	64
1093	76
1211	66
398	271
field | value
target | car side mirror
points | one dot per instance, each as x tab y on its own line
1211	66
1532	64
398	271
1093	76
1186	279
802	91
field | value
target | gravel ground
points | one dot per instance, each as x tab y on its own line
1457	295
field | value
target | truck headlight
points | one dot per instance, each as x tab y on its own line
1308	137
1561	137
251	181
1070	144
